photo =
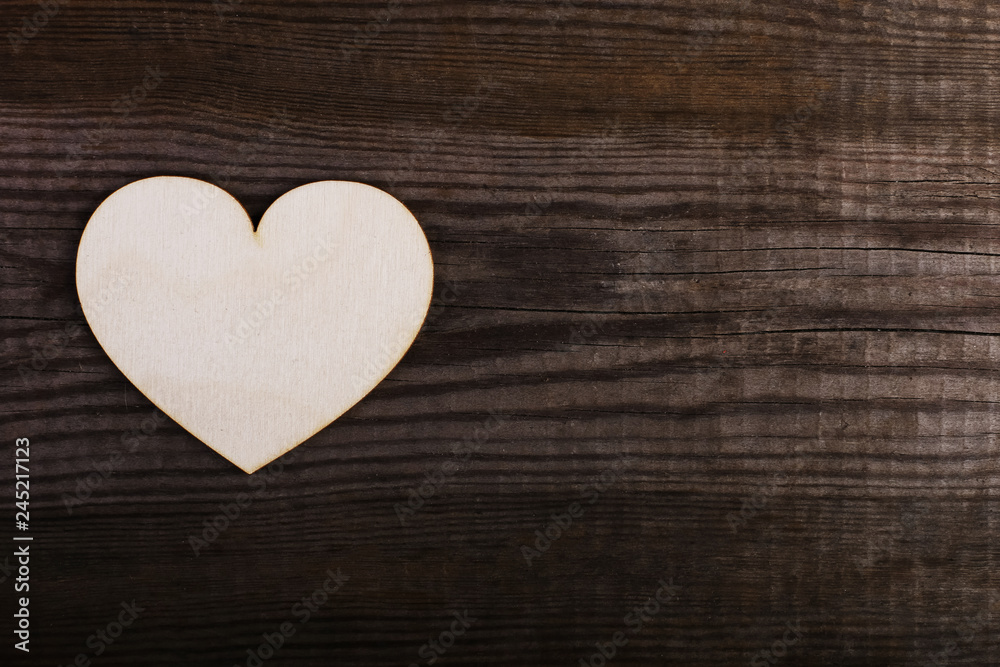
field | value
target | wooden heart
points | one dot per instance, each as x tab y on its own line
253	340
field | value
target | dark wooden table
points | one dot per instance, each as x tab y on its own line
714	319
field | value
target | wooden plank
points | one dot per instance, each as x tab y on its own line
737	258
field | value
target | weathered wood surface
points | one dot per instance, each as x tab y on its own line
740	255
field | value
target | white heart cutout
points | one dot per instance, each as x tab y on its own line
253	341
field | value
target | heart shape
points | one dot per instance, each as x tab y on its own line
253	340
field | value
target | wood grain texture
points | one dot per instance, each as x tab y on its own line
724	273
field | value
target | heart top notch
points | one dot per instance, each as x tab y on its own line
253	340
